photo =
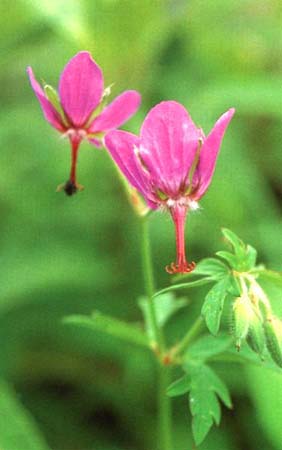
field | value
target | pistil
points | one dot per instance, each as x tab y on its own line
71	185
178	213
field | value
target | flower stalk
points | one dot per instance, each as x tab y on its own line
164	405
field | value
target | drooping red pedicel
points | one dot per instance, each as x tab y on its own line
71	185
178	214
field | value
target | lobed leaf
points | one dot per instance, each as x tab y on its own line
188	285
212	267
208	346
204	389
201	425
111	326
179	387
213	305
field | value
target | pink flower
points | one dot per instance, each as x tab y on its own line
171	164
78	111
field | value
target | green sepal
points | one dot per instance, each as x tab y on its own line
100	107
256	336
273	333
53	98
242	314
161	195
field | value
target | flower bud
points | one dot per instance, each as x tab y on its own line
273	333
242	313
256	337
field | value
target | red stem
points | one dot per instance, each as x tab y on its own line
75	142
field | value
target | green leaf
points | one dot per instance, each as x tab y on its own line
18	429
229	257
179	387
204	405
208	346
234	287
250	257
202	401
184	286
247	356
245	255
213	305
111	326
219	387
271	276
212	267
166	305
201	425
234	240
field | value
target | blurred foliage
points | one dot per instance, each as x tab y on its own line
64	256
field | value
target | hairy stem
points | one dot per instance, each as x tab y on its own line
149	287
164	405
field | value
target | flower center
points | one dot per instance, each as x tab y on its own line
76	134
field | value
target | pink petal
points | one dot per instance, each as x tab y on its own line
117	112
169	140
96	142
49	111
80	88
210	150
121	146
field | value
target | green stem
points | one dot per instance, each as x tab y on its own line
193	332
149	286
165	416
164	402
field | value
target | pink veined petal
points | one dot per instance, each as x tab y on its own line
209	152
121	146
117	112
80	88
169	141
49	111
95	142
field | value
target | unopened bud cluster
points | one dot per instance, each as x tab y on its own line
254	322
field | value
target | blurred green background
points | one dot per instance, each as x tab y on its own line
63	255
